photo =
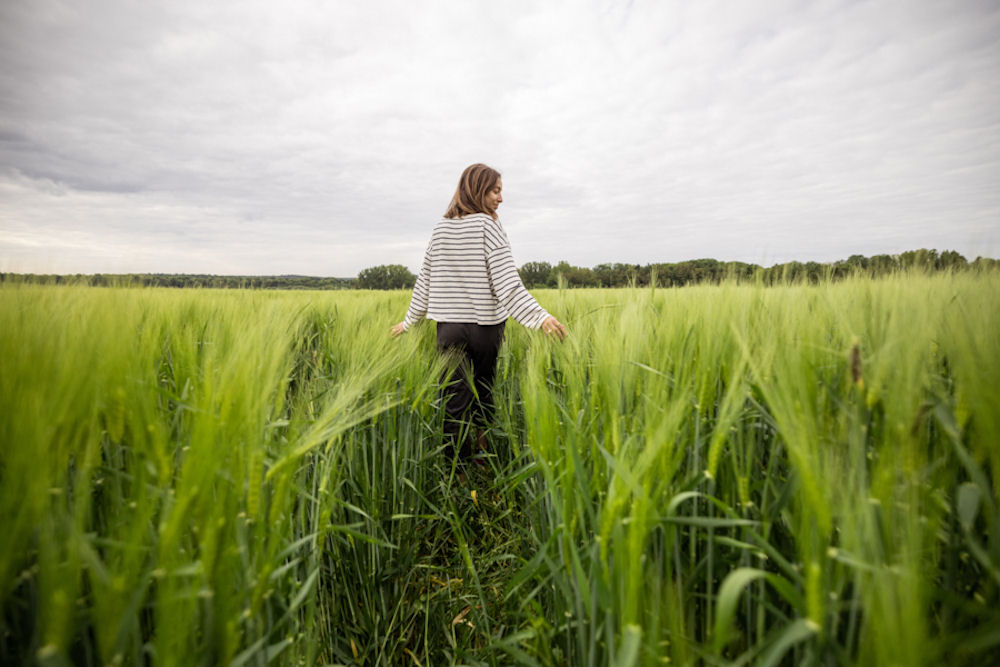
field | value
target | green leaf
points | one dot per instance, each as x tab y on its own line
709	522
729	596
968	498
679	498
254	650
797	631
629	650
247	653
511	645
358	535
275	649
301	596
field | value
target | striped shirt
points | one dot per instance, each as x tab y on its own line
469	276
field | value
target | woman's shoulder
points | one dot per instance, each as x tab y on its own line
472	221
476	217
487	221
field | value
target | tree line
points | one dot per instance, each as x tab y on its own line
182	280
543	274
691	272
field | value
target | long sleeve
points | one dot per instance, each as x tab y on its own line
505	282
418	301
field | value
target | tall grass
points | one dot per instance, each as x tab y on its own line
707	475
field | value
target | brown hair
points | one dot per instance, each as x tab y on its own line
470	196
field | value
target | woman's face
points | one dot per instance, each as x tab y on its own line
493	196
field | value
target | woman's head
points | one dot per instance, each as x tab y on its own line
478	191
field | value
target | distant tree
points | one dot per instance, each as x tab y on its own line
855	264
605	275
706	270
580	276
813	271
575	276
637	275
949	260
386	276
923	259
740	270
986	264
561	271
664	273
536	274
790	272
684	273
613	275
882	265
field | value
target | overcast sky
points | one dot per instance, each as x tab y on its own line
322	137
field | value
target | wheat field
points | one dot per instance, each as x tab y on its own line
716	474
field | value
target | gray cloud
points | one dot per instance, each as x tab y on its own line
321	138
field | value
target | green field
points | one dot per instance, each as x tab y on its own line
703	475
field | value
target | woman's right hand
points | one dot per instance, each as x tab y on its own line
553	327
397	329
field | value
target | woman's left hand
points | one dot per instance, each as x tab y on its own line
397	329
553	327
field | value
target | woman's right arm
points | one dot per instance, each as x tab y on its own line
418	301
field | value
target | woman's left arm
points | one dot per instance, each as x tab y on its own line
510	291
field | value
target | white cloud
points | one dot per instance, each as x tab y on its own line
323	137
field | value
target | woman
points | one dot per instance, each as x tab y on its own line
469	285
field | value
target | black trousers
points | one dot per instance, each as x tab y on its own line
467	386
